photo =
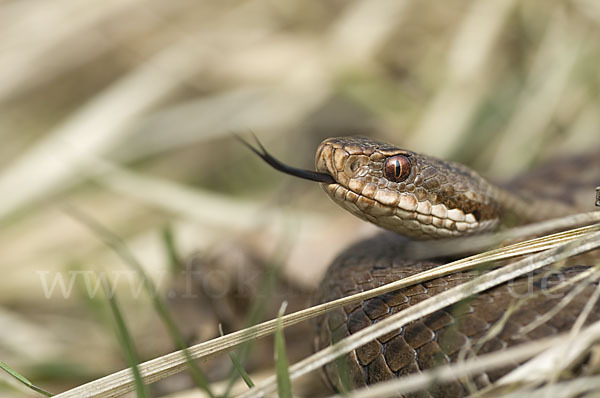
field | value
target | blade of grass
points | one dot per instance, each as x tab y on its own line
121	249
23	380
284	384
95	304
171	250
343	373
127	345
199	377
259	303
237	365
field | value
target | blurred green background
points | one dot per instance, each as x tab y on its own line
125	109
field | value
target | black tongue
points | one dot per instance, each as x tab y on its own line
284	168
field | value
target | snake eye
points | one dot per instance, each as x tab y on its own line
396	168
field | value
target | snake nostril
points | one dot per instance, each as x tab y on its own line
353	165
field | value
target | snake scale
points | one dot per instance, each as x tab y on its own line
421	197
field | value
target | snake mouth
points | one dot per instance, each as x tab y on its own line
415	220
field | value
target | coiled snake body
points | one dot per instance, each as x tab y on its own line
420	197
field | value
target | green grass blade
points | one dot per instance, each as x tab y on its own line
171	250
199	378
120	248
343	371
23	379
128	346
284	384
237	365
95	304
259	305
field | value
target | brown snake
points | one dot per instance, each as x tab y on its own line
421	197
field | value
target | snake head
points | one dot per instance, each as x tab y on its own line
415	195
412	194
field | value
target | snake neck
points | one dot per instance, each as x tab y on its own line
559	187
518	207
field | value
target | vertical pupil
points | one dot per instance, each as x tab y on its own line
397	168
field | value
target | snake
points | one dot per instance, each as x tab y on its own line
412	196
